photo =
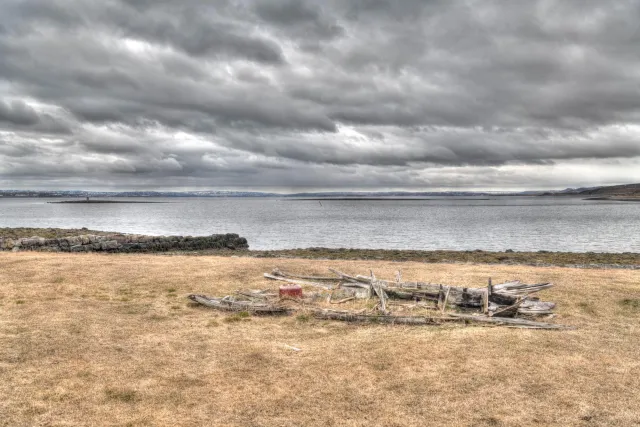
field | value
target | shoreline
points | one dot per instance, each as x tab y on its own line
379	199
629	261
626	260
101	201
614	199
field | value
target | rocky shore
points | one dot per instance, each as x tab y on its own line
123	243
63	240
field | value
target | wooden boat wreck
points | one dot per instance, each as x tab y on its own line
510	304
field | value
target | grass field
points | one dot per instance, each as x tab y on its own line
110	340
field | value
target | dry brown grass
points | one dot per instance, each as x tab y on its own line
111	340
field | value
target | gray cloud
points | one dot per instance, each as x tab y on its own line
19	113
350	94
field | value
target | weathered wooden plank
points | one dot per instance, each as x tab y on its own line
514	323
278	272
349	278
426	320
226	304
298	281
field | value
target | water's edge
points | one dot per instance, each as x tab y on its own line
626	260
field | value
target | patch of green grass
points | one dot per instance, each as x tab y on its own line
121	394
587	307
303	318
20	301
171	290
47	233
238	317
381	365
632	303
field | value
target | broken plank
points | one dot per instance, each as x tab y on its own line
298	281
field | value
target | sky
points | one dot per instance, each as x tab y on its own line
285	95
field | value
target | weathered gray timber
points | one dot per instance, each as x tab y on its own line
510	322
229	304
429	320
298	281
502	300
280	273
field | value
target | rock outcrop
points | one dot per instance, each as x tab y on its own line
124	243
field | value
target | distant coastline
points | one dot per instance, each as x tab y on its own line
104	201
614	199
627	191
377	199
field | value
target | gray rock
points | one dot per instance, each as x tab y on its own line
126	243
8	244
75	240
109	245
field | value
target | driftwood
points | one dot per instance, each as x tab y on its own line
229	304
380	292
509	311
346	277
510	322
299	281
280	273
261	295
359	290
505	294
500	304
490	300
347	316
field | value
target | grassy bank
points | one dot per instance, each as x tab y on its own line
110	340
47	233
540	258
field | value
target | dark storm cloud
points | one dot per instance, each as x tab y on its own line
302	20
17	112
358	93
18	115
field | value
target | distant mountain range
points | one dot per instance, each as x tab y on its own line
616	191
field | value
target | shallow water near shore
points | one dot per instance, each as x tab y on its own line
519	223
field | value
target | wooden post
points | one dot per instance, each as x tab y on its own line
485	301
446	297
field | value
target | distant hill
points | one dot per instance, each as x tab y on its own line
614	192
627	190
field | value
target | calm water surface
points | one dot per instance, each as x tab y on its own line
518	223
